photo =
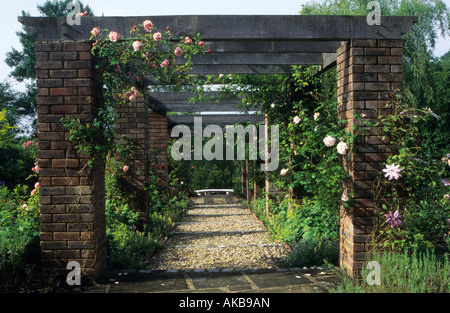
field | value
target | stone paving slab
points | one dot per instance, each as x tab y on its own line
232	281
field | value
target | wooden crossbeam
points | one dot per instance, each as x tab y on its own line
256	59
240	69
221	120
179	102
180	106
273	46
186	95
230	27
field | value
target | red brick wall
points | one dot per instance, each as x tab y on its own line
367	71
71	194
158	139
132	123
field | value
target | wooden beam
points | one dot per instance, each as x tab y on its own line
219	119
222	106
179	102
273	46
185	96
255	59
230	27
240	69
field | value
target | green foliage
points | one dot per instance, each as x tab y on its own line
124	68
426	78
97	139
211	174
130	240
314	251
127	248
59	8
408	272
19	238
16	164
23	64
310	230
419	195
6	136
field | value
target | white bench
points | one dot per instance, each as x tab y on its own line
206	191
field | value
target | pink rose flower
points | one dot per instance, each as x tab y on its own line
165	63
114	37
157	36
148	25
201	43
344	197
137	45
187	40
132	98
95	31
28	143
137	93
36	185
126	168
128	94
33	192
178	51
296	120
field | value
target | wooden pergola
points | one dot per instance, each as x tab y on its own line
240	45
369	66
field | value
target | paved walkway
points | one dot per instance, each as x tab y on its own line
219	247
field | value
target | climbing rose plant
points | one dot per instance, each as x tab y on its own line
142	53
125	61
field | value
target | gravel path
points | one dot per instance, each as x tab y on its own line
218	236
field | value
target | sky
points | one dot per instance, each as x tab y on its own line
12	9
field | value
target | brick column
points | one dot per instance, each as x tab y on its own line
158	142
367	71
72	218
132	123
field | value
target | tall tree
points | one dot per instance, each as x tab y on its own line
433	19
425	76
23	62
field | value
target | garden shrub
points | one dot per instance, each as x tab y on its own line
310	231
19	238
130	240
411	271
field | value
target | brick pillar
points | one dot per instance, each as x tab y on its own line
158	143
367	71
72	195
132	123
